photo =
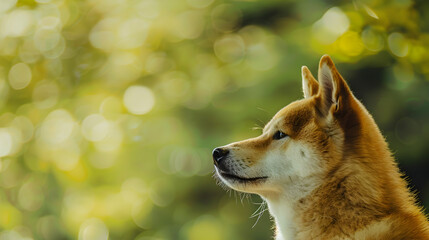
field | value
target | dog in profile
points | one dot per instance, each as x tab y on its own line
324	168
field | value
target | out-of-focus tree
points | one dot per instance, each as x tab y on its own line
109	109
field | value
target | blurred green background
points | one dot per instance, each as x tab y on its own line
109	109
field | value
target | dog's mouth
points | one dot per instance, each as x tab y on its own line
230	176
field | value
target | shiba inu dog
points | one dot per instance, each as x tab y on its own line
324	168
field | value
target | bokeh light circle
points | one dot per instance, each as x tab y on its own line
139	100
6	142
19	76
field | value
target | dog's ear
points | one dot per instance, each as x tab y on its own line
310	86
333	92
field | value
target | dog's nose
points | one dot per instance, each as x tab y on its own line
219	154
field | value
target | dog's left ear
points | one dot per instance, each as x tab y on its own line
334	91
310	86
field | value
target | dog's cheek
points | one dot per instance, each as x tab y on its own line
276	164
305	162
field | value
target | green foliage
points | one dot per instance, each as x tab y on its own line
109	109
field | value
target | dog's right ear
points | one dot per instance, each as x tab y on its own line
334	92
310	86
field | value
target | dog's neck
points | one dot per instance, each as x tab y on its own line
283	206
291	207
284	214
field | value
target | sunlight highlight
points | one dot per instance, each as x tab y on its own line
19	76
332	25
139	100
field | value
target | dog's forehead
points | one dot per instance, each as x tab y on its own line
294	115
293	110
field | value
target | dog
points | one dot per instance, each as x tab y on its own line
324	169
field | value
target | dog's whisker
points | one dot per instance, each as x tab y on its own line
262	208
242	196
261	205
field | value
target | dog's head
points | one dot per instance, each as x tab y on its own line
303	141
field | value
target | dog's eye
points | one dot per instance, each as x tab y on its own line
279	135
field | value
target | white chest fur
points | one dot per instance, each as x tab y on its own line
284	215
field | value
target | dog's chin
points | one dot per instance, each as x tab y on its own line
239	183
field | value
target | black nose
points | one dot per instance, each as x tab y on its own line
219	154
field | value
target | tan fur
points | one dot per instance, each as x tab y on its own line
359	192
